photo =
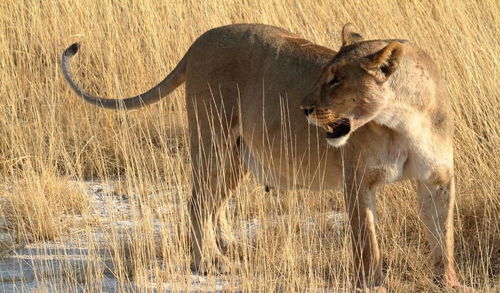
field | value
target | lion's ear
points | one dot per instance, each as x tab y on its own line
384	62
349	35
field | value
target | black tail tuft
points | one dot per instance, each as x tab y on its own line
72	50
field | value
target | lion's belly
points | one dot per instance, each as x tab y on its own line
281	149
285	167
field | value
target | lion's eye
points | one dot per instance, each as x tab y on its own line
334	82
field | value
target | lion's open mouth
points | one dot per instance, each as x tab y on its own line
338	128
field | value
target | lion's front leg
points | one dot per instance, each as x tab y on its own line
361	210
436	198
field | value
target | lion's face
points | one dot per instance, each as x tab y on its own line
352	89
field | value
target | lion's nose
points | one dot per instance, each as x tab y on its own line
308	110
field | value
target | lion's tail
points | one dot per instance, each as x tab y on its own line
165	87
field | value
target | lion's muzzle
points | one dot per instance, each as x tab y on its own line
334	127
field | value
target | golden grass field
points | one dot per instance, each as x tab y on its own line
51	142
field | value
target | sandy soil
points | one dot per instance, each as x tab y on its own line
61	265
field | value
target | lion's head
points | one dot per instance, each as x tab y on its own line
353	87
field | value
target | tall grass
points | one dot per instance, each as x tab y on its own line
128	46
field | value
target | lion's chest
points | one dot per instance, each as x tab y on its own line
391	166
382	154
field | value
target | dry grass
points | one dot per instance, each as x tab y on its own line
37	207
47	134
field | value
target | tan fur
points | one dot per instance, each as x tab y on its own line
245	86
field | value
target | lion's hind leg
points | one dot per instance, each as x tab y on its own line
216	172
213	183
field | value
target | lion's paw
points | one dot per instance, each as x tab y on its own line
377	289
217	265
463	289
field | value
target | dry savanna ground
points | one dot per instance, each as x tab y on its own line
100	197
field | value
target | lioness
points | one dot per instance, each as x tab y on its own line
380	104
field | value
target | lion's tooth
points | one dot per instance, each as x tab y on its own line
328	128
